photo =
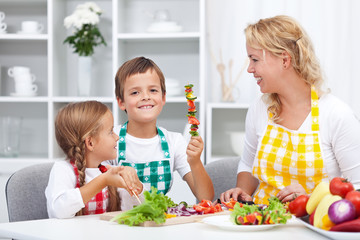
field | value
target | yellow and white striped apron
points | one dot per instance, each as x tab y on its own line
287	157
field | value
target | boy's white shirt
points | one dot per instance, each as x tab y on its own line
146	150
64	200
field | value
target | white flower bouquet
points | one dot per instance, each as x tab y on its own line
86	35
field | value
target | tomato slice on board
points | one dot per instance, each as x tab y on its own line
205	203
218	208
206	206
198	208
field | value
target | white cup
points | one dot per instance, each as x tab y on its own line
18	70
25	78
162	15
2	16
3	27
31	27
25	89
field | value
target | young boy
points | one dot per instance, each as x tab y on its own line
153	151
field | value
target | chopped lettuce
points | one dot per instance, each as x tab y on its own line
277	211
152	209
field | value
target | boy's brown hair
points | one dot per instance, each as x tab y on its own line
134	66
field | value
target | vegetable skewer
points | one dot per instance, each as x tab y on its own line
191	110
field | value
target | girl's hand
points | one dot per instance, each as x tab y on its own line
194	149
132	180
236	194
113	177
290	192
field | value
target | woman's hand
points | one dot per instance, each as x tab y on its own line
236	194
290	192
194	149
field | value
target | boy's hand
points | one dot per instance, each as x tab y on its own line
194	149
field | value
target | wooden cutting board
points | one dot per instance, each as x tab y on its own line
170	221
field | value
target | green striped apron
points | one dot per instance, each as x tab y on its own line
155	173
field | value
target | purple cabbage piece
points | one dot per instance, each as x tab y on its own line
182	210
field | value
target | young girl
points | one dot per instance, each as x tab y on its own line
77	186
153	151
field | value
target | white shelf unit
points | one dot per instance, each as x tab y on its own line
123	23
180	55
221	119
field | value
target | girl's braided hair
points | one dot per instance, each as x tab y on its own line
73	124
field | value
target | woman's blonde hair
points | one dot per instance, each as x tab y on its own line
73	124
283	33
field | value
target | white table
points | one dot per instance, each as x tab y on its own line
91	227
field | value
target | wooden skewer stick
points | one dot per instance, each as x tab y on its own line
138	199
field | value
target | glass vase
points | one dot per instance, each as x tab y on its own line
84	75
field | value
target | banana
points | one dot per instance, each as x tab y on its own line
319	192
322	210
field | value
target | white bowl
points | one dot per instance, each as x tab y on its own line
237	142
158	27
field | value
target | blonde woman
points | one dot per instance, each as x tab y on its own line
80	185
297	134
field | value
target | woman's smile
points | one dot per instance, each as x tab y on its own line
258	80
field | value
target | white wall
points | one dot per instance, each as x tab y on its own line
333	25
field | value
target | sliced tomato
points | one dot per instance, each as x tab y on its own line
207	207
251	218
198	208
193	120
205	203
188	90
191	103
192	109
209	210
218	208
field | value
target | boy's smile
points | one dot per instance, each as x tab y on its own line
146	106
143	98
